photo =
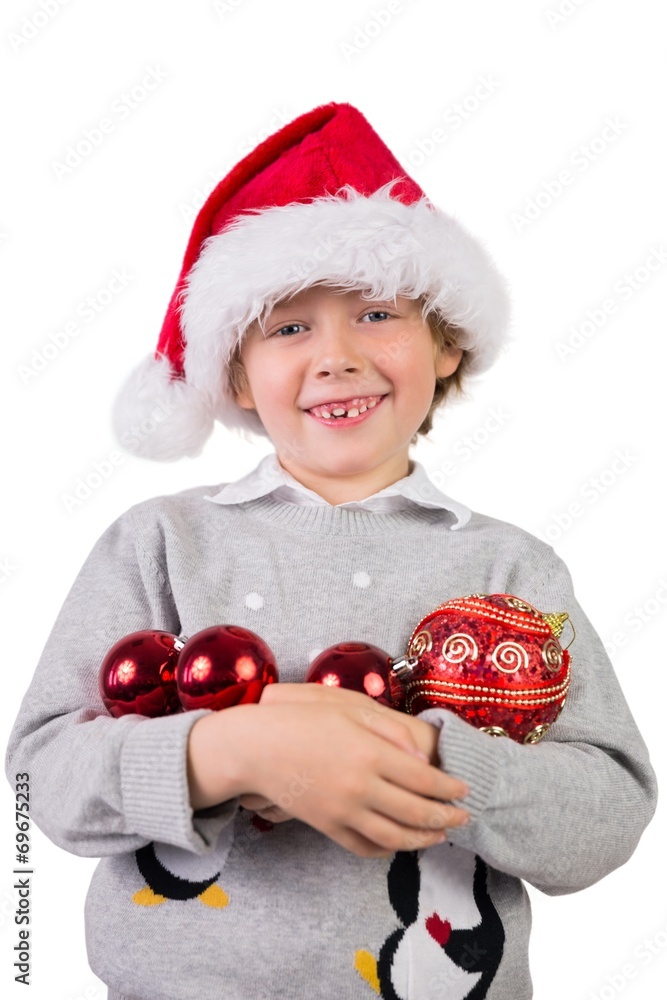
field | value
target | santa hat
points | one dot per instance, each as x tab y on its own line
321	200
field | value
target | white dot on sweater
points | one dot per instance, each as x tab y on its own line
254	601
361	579
313	654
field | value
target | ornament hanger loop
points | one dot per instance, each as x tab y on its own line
574	634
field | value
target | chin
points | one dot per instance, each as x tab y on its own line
344	468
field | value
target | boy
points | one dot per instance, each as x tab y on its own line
317	844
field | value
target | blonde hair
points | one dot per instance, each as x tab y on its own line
445	335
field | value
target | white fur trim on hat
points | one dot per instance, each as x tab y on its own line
375	244
372	243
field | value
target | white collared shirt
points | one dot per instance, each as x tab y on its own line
270	478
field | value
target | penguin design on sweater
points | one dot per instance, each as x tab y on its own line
173	873
452	938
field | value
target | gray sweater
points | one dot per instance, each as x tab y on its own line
221	904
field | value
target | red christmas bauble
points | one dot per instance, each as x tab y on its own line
224	665
494	660
137	675
358	666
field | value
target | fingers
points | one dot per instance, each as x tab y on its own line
389	840
255	802
363	776
406	810
354	842
274	814
357	844
398	821
389	836
264	808
393	725
391	728
389	815
414	775
275	694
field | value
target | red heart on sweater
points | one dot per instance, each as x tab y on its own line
438	928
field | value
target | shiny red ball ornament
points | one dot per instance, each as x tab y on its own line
358	666
494	660
224	665
138	675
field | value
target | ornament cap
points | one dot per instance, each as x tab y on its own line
555	622
402	666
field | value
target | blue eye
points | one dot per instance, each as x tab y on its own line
288	326
376	312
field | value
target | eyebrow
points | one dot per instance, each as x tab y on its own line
287	303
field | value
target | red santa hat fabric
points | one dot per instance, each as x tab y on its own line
321	200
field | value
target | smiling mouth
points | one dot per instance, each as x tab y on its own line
347	408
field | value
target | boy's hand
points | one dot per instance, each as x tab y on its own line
420	738
348	767
264	808
411	733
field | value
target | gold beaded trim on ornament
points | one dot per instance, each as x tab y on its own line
525	622
474	604
534	702
513	702
551	688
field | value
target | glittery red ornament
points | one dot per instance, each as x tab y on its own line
358	666
492	659
137	675
224	665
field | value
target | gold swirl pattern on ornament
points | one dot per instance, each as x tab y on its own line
420	643
459	647
510	657
536	734
495	731
552	655
514	602
533	623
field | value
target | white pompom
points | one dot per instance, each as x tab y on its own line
157	417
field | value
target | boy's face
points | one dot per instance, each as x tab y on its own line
327	346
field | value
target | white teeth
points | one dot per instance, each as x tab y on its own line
356	406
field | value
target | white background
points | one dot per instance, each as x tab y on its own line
230	77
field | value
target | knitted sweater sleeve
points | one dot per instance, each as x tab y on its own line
99	785
567	811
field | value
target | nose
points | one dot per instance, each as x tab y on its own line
338	350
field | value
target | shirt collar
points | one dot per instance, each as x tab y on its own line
269	477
